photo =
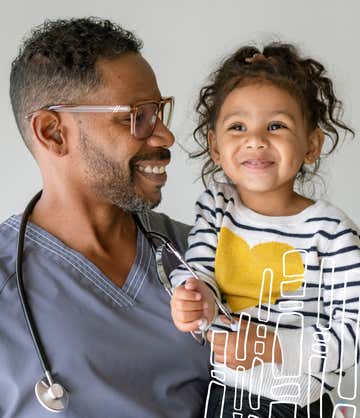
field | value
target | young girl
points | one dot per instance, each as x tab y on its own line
288	263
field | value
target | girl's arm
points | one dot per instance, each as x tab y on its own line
336	341
193	301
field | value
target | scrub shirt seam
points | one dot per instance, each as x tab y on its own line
143	244
100	284
7	281
143	277
147	219
76	261
140	278
134	278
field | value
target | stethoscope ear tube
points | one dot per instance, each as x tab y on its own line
50	394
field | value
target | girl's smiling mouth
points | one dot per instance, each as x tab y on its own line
257	164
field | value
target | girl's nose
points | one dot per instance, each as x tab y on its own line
256	141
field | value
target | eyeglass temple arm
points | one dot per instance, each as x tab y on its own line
87	109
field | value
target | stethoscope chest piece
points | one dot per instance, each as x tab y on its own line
54	398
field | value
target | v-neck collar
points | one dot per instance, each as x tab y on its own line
124	296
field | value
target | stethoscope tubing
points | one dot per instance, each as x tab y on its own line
30	321
41	386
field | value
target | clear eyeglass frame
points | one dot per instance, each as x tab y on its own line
143	115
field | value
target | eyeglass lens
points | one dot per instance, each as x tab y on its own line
146	117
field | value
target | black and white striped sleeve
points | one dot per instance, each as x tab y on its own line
338	339
202	243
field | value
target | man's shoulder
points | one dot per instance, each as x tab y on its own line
8	244
176	231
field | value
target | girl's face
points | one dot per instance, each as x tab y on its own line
261	139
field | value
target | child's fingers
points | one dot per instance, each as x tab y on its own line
226	320
188	306
187	317
189	326
185	294
219	339
192	284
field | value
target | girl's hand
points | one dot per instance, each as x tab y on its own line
191	304
231	357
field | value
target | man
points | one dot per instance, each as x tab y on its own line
89	110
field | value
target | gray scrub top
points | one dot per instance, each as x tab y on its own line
114	349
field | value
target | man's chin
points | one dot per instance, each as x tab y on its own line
153	201
140	203
151	197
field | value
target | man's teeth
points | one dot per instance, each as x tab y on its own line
152	170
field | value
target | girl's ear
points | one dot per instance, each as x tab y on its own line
213	147
315	144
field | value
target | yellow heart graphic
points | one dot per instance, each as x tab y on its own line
239	269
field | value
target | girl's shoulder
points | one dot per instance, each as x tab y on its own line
220	194
326	211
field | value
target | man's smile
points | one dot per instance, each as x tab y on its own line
154	171
152	167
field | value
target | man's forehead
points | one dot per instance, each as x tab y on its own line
128	78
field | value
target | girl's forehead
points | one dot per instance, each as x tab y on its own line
265	97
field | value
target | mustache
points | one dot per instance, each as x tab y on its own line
157	155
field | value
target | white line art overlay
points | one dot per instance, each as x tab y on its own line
328	331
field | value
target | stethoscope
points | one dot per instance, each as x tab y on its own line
51	394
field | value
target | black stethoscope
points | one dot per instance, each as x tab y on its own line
51	394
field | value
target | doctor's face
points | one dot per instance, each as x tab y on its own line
126	171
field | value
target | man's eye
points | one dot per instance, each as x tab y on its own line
124	120
238	127
140	116
274	126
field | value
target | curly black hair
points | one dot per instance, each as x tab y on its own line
57	63
280	64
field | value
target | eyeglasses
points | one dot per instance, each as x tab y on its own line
143	115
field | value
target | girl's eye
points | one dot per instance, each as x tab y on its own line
274	126
238	127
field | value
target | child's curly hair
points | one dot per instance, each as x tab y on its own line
280	64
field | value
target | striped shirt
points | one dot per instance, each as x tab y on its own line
299	275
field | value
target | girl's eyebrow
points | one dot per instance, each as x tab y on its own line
283	112
241	112
237	112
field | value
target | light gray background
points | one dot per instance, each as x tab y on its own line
184	40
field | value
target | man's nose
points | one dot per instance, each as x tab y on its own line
162	136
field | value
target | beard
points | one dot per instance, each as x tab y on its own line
112	181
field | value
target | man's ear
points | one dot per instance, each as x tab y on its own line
315	144
213	147
49	133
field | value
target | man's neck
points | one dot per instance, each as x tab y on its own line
84	224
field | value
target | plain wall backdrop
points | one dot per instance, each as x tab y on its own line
184	40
